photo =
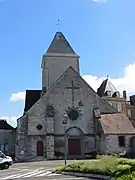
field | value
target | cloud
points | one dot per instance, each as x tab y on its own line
122	83
17	96
12	120
99	1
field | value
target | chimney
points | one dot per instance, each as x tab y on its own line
124	94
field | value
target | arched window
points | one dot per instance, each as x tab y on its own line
40	148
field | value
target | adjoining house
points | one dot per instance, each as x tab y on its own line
116	134
110	94
7	138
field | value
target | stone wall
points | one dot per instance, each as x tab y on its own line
112	144
21	138
89	144
36	116
55	65
32	147
50	147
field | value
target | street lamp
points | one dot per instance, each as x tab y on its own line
65	117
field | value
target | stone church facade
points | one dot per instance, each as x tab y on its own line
67	117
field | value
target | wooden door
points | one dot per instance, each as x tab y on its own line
74	147
40	148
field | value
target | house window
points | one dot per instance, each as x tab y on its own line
119	107
108	93
122	141
116	94
114	105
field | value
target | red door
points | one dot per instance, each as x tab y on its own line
74	147
40	148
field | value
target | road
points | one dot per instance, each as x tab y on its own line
35	170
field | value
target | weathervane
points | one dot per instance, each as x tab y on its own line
58	25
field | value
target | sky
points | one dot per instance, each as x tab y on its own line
102	32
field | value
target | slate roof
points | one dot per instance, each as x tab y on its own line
117	123
4	125
132	100
32	96
106	86
60	44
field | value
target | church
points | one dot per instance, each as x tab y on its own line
67	117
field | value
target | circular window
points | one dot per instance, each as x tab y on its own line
39	127
73	115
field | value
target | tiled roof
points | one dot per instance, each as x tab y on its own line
59	44
117	123
4	125
32	96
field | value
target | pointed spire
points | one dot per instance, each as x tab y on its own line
58	25
60	44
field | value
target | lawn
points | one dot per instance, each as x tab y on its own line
120	168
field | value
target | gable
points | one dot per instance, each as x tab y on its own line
66	79
69	75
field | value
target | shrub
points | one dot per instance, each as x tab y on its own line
123	161
106	165
130	176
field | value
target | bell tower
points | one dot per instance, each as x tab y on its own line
58	58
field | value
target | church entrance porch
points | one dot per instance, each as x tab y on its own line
74	147
74	143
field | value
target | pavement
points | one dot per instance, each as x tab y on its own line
35	171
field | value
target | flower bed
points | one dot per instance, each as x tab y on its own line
120	168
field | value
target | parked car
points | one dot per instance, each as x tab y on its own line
5	161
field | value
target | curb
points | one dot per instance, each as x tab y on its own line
94	176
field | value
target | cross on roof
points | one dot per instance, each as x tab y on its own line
72	88
58	25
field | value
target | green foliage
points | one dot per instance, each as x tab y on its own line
121	155
130	176
120	168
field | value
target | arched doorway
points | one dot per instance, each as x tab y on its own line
75	140
40	148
